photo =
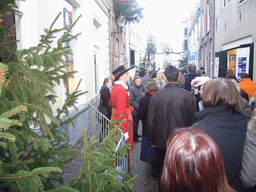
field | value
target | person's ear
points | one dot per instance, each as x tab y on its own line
178	78
166	80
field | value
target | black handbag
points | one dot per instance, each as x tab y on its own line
103	109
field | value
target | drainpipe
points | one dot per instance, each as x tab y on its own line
110	41
129	53
213	37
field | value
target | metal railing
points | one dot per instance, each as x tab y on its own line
98	127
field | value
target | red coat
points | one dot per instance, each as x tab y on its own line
120	101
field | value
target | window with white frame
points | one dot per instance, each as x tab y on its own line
208	16
241	1
202	23
226	2
67	22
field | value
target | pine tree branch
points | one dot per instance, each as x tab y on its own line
8	136
24	174
64	189
13	112
17	164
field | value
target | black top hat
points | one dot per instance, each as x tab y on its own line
119	72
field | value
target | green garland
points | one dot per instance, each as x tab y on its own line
130	10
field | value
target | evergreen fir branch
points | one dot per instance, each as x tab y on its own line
44	127
18	66
25	53
7	123
48	62
64	189
31	87
3	70
37	59
30	181
29	134
12	53
54	21
21	88
13	149
13	112
38	142
18	163
70	101
3	144
38	108
24	174
71	37
5	53
99	171
65	37
3	32
43	81
51	98
5	7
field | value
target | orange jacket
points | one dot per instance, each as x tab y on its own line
248	86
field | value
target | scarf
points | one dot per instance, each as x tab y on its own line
151	92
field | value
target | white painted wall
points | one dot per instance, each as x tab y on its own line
138	41
39	14
101	43
235	23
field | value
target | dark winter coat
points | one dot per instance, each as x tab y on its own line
135	95
170	108
104	99
229	132
143	111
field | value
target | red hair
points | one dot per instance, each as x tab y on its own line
193	163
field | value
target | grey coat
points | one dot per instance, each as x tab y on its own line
248	172
135	95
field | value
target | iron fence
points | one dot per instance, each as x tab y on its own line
98	127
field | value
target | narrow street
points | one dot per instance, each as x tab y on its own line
144	182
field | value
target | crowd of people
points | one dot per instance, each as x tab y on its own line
198	133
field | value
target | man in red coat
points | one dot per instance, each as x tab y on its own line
120	101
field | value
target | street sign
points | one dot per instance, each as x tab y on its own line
191	57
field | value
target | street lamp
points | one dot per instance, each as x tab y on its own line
120	23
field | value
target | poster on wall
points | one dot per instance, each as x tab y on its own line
217	62
242	60
232	60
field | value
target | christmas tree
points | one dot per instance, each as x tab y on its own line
30	161
99	172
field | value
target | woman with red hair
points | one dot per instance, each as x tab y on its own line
193	163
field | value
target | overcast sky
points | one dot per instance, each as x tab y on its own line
164	18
